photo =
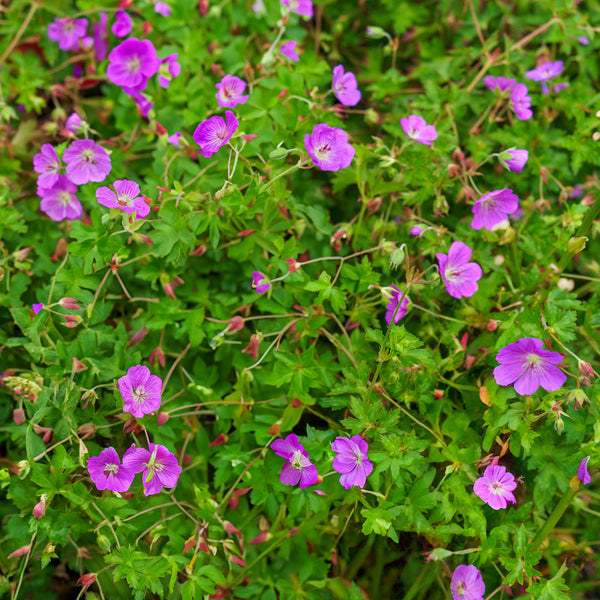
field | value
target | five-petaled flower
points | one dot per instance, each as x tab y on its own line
125	197
352	461
496	487
47	164
107	472
259	282
59	202
298	468
86	161
230	91
392	310
67	32
215	132
500	85
546	71
158	465
526	364
141	391
416	129
582	471
467	583
132	63
459	275
329	148
493	208
345	87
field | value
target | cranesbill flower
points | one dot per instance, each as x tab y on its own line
417	129
300	7
467	583
329	148
493	208
230	91
526	364
215	132
86	161
158	465
521	102
122	25
345	87
289	50
298	468
169	69
125	197
101	37
501	85
514	159
496	487
582	471
59	201
352	461
459	275
162	8
418	230
67	32
141	391
47	164
260	282
394	294
546	71
132	63
107	472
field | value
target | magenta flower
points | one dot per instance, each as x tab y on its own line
162	8
467	583
583	40
582	471
159	466
125	197
132	63
514	160
141	391
546	71
493	208
101	37
174	139
230	91
298	467
169	69
59	202
395	293
86	161
526	364
37	307
417	129
122	25
460	276
418	230
300	7
329	148
501	85
74	123
352	461
521	102
215	132
496	487
47	164
289	50
67	32
260	282
345	87
107	472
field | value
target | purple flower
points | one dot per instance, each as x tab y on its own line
215	132
37	307
418	230
576	191
141	391
467	583
559	87
132	63
493	208
583	40
162	8
514	160
345	87
126	197
174	139
352	461
417	129
496	487
300	7
394	294
329	148
460	276
59	201
107	472
101	37
582	471
86	161
528	366
122	25
74	123
501	85
298	467
67	32
521	102
159	465
47	164
260	282
546	71
169	69
230	91
289	49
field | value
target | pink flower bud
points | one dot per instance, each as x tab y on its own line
294	264
39	510
162	418
157	356
235	324
59	251
438	394
87	430
78	366
230	528
45	432
199	251
138	336
252	347
87	579
237	560
19	416
263	536
20	551
585	368
218	441
69	303
72	320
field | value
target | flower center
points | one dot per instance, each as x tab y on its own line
533	360
358	456
140	395
323	151
413	133
64	198
496	488
133	66
296	462
222	133
110	470
453	274
124	200
461	588
87	156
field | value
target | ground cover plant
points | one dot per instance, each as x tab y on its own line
299	299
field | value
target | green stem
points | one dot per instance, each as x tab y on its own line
282	174
359	559
515	261
458	386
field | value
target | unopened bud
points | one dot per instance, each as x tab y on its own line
438	394
376	33
19	416
263	536
87	579
39	510
585	368
235	324
453	170
162	418
565	284
396	258
371	116
278	154
103	542
69	303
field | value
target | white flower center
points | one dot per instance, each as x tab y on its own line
139	395
64	198
110	470
496	488
297	460
133	66
87	156
323	151
124	200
